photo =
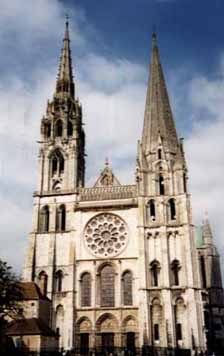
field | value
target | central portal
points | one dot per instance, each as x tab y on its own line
107	341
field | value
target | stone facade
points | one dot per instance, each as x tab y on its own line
119	262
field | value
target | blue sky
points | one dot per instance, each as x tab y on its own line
111	43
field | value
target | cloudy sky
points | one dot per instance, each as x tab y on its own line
111	43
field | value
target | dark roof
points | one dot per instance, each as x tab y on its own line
31	326
31	291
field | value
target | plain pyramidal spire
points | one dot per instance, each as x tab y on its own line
158	119
65	83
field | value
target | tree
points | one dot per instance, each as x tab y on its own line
10	295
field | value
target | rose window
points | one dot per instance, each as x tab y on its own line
106	235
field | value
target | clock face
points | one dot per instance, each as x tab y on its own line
106	235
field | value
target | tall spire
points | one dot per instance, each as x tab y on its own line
158	120
65	84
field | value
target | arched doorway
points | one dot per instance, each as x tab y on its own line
107	332
84	331
130	333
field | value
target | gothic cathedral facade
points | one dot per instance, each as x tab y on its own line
118	262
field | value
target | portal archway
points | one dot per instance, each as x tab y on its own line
108	336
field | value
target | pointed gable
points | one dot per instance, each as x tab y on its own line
107	178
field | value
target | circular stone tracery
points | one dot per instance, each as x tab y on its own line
106	235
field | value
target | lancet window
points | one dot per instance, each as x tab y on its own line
155	269
127	288
172	209
107	290
59	128
58	281
57	163
44	219
85	283
43	279
61	218
161	185
151	210
179	316
47	130
157	317
70	128
175	269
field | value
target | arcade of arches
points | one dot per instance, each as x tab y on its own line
107	333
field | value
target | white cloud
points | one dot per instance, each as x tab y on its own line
204	148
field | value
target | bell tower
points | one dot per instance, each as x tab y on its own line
62	145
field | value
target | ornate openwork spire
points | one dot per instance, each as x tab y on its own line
65	84
158	120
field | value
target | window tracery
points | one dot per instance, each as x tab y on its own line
106	235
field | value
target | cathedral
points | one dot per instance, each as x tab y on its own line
122	265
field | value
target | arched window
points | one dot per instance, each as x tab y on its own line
159	153
70	128
175	268
61	218
44	219
155	268
161	185
172	209
43	278
59	128
151	210
179	316
58	281
54	165
157	319
85	283
47	129
107	292
60	324
57	163
127	288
